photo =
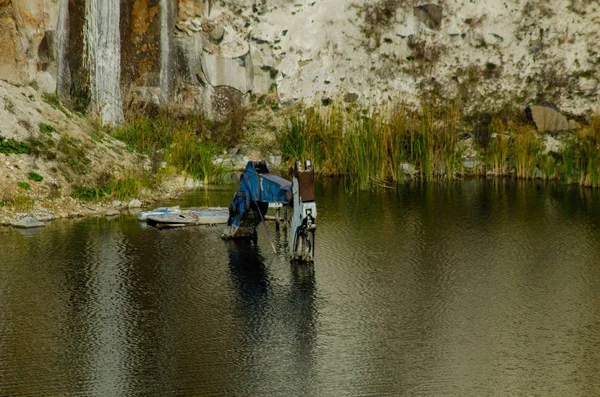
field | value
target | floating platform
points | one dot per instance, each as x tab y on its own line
170	217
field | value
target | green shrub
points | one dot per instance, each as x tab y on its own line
22	202
24	185
53	100
89	193
47	129
127	187
106	185
35	177
12	146
75	154
43	146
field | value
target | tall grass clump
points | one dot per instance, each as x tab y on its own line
106	185
371	148
378	147
434	141
497	151
180	141
127	186
318	135
586	154
522	148
194	156
366	156
526	149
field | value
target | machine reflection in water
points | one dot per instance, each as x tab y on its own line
278	317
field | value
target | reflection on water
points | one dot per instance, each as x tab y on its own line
277	319
475	288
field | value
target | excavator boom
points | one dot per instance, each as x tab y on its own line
260	189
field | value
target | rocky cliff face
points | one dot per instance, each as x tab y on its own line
209	55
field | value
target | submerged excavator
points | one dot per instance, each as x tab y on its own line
260	190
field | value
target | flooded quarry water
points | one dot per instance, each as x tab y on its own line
467	289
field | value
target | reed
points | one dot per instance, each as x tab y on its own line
525	151
521	147
569	173
371	148
587	155
187	153
496	154
318	135
365	158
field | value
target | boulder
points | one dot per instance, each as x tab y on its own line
553	145
547	118
27	223
573	125
471	164
275	159
112	212
430	15
135	203
409	169
43	215
217	34
219	103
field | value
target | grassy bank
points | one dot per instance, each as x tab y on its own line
170	140
435	142
66	154
169	143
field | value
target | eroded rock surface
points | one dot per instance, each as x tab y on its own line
491	53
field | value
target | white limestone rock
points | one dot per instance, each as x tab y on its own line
232	72
135	203
27	223
112	212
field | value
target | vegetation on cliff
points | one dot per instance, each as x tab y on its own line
170	139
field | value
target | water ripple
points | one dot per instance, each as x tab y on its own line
470	289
